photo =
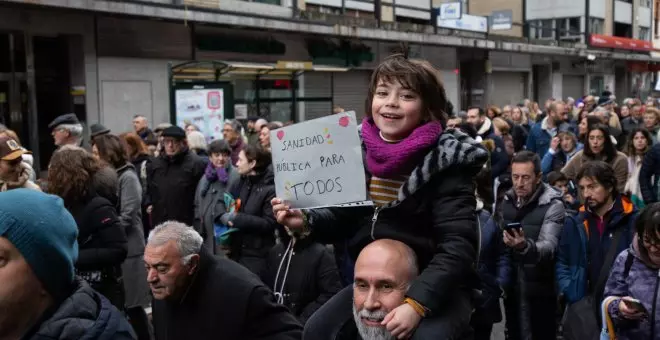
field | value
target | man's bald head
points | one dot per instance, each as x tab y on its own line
394	253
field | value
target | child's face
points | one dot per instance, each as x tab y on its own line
397	111
562	186
567	144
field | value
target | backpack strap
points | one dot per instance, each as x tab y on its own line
628	265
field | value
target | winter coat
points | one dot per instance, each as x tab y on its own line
307	276
254	220
210	206
641	282
542	219
224	300
540	136
580	258
619	163
130	219
106	184
102	246
439	198
494	270
556	160
499	159
85	314
172	184
649	175
629	124
141	164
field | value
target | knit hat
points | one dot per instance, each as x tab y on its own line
45	234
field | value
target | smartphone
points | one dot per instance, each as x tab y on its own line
510	227
636	305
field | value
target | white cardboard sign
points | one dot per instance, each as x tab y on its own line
319	163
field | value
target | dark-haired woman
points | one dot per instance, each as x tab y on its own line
639	143
102	242
599	147
254	220
110	149
138	155
210	194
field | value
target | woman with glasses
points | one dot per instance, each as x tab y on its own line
598	146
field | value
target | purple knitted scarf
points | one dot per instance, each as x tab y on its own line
216	174
391	160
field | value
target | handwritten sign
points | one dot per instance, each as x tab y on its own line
319	163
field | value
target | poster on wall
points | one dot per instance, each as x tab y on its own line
203	108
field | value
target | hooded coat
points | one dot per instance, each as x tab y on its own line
85	314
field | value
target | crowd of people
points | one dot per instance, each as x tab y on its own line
161	234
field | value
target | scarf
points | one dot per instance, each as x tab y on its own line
390	160
216	174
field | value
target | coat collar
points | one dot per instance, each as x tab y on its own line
484	130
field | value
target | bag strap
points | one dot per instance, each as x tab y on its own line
608	262
628	265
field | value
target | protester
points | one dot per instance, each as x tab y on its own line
40	297
562	148
521	128
138	155
404	94
542	133
532	216
210	194
652	123
252	134
109	149
141	128
201	296
158	131
583	127
190	127
66	130
499	159
634	278
302	273
599	147
493	112
26	159
559	181
649	175
97	130
624	112
639	143
264	135
197	144
502	129
102	241
506	112
232	134
587	239
14	173
635	120
254	219
173	177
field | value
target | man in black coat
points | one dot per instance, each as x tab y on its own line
499	159
172	180
199	296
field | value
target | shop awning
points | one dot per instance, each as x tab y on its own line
217	70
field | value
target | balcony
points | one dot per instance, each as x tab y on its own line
337	19
271	8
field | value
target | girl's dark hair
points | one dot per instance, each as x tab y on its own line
648	224
219	146
111	150
630	146
602	172
70	174
260	156
416	75
609	150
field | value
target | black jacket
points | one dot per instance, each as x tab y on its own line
224	301
434	215
84	314
171	187
499	159
255	221
310	278
102	246
649	175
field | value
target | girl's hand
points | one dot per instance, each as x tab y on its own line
402	321
290	218
629	312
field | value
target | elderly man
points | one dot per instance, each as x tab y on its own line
40	298
200	296
232	134
66	130
384	271
141	127
172	179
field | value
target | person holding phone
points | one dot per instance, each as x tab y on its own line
635	280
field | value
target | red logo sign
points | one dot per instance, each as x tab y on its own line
598	40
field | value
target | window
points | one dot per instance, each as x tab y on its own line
596	25
568	28
644	33
541	29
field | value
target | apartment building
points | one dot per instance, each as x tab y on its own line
107	60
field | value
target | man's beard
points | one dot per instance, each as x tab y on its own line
368	332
